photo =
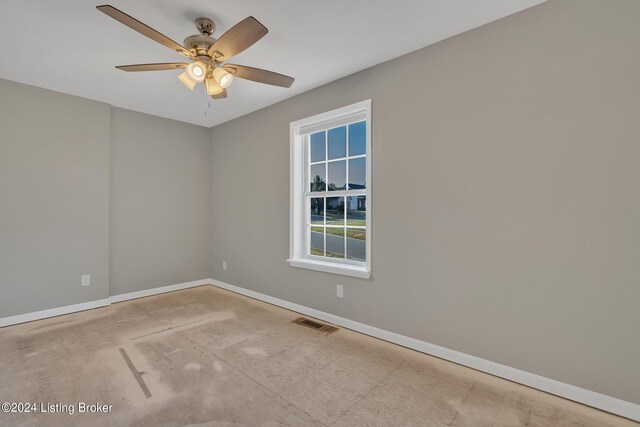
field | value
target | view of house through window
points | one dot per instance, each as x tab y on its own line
337	192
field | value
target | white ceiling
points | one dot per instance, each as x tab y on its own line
71	47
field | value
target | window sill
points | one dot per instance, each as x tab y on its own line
328	267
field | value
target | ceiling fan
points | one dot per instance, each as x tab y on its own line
207	53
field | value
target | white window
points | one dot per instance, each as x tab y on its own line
331	191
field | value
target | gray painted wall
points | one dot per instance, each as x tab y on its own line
160	202
66	163
506	215
54	199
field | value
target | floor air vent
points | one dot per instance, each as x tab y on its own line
315	325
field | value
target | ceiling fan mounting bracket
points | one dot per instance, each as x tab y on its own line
205	25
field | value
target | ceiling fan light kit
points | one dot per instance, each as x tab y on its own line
207	53
222	77
188	81
196	71
213	88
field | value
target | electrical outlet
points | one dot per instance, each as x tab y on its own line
339	291
224	265
85	280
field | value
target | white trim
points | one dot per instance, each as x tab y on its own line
160	290
298	240
68	309
331	115
335	120
331	267
577	394
53	312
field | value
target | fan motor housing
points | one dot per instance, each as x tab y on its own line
199	44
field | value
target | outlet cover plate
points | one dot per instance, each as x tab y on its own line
85	280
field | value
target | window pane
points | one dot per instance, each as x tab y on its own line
316	210
335	242
317	177
337	142
316	242
337	175
357	138
356	244
358	173
335	210
357	210
318	151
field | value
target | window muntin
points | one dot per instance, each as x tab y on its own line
336	226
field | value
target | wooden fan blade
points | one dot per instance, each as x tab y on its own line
259	75
220	95
239	37
143	29
153	67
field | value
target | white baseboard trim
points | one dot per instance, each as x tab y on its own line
53	312
68	309
577	394
160	290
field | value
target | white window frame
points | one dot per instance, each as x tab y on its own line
298	163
